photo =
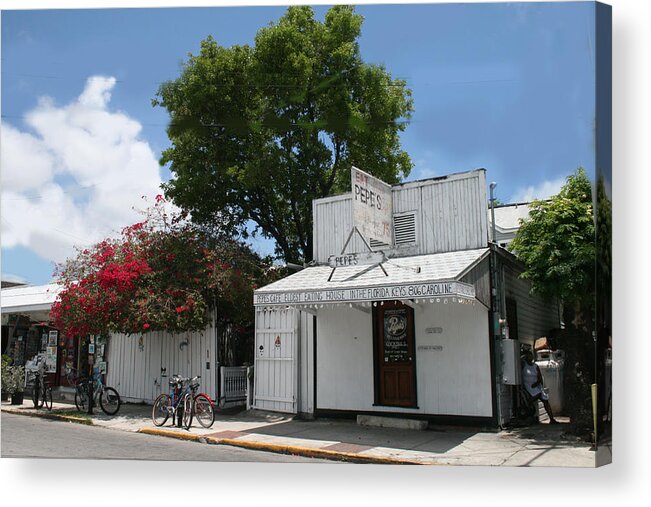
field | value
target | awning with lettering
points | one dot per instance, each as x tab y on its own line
434	277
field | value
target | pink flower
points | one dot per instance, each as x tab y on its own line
146	326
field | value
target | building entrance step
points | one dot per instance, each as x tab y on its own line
391	422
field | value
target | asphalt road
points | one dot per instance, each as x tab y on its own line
34	437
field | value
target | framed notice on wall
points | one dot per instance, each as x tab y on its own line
51	358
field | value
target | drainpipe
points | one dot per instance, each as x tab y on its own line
492	199
495	330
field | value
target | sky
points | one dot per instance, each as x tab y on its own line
507	87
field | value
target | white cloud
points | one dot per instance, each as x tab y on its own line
543	190
77	177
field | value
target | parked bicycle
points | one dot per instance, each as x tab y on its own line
183	403
41	389
202	406
109	399
178	403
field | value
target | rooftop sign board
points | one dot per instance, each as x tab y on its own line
372	207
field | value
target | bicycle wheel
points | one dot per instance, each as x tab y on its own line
36	394
204	410
81	398
160	412
47	398
187	411
109	401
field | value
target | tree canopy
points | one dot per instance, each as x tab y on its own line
260	131
557	243
163	273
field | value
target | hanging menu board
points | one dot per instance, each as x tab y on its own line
396	342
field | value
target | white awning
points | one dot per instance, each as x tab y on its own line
28	298
420	277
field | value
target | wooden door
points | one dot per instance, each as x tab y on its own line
275	371
395	355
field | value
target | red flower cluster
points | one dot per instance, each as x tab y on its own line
158	275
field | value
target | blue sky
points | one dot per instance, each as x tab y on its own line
508	87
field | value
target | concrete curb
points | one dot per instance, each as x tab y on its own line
308	452
171	434
50	415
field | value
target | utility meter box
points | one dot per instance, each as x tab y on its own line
511	371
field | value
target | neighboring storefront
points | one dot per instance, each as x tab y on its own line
136	365
27	333
398	315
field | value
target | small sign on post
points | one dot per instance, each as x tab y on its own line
356	259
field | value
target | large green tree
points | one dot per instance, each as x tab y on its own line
260	131
557	245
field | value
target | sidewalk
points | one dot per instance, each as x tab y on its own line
344	440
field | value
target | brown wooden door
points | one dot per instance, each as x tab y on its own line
395	368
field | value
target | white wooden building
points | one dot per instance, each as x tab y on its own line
507	221
417	336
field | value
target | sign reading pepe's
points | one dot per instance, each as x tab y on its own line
372	207
356	259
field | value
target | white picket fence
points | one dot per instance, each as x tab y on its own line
234	383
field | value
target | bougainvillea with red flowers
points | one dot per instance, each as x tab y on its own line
161	274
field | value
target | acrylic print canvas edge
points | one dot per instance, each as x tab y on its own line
602	170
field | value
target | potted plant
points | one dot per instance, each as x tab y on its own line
4	374
15	384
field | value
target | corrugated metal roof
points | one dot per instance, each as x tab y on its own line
28	298
434	267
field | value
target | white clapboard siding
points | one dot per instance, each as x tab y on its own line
135	362
275	375
536	317
306	363
450	214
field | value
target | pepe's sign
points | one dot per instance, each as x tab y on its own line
396	345
372	207
356	259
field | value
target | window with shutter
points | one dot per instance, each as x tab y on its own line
404	231
404	228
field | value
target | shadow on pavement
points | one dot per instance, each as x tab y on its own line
350	433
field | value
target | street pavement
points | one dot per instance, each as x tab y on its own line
344	440
32	437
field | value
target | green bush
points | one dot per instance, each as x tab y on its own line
14	380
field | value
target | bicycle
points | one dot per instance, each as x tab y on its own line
42	391
178	403
202	405
109	399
